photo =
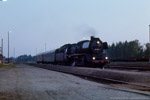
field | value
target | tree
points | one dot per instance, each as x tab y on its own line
25	58
125	49
147	50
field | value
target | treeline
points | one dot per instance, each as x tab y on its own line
22	58
128	49
25	58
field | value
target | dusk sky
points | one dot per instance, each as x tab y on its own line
56	22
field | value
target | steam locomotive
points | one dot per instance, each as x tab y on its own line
84	53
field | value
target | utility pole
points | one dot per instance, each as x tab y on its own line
8	45
14	55
45	47
149	33
149	43
2	51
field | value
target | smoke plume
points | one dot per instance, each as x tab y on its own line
86	32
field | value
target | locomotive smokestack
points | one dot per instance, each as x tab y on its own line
92	37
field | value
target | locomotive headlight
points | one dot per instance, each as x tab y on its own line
93	58
98	42
106	58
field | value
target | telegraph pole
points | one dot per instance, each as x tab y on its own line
149	42
8	46
2	51
45	47
149	33
14	55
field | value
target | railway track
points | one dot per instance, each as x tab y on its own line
109	81
128	68
139	67
131	65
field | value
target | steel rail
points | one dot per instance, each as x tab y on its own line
129	68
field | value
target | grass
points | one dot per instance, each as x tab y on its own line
7	66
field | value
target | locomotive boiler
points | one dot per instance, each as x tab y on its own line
84	53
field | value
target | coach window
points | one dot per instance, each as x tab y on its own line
85	45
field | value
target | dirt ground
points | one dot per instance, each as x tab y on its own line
29	83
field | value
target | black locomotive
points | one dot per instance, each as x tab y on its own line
84	53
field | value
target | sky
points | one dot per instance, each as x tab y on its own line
56	22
